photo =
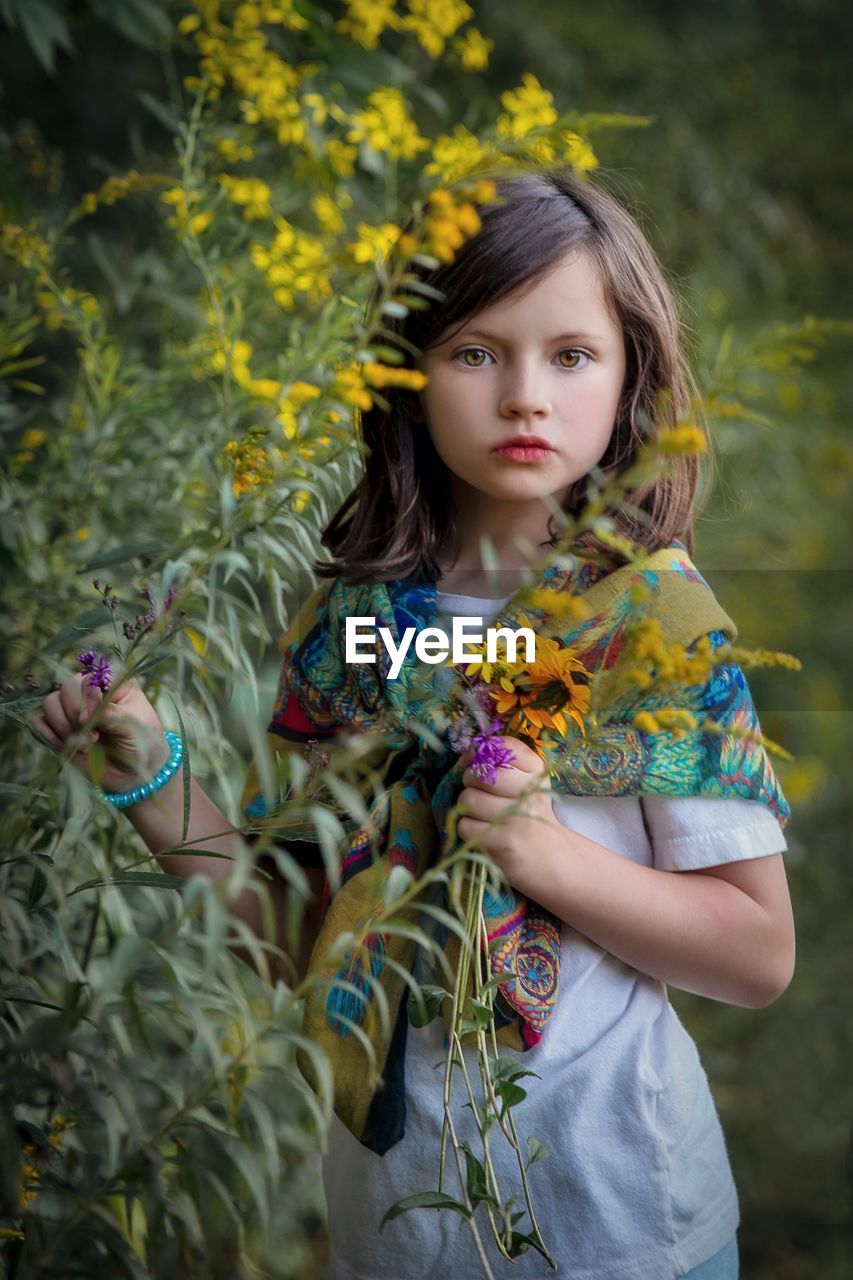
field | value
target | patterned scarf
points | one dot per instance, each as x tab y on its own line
320	695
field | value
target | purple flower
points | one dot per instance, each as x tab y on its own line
489	753
97	668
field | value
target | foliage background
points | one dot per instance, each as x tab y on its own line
743	183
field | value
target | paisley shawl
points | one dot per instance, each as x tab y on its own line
320	695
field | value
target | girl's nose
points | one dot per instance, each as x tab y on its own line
524	395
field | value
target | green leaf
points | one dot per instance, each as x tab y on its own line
475	1178
511	1094
38	884
155	879
126	551
535	1151
425	1200
432	998
46	31
482	1013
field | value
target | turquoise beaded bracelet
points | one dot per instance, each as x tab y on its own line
124	799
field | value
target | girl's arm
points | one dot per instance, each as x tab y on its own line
159	821
726	932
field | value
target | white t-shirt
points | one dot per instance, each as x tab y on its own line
637	1184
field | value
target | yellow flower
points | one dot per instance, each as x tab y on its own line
233	151
544	694
528	107
249	464
294	263
374	242
435	21
298	394
327	210
32	438
386	126
366	20
473	50
683	439
252	194
457	154
348	385
383	375
342	157
578	153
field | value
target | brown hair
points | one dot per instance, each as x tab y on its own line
398	517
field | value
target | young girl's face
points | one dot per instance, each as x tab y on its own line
521	401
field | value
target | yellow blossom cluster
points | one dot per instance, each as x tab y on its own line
647	651
349	386
473	49
450	221
250	464
24	244
187	220
30	1177
30	441
342	157
675	720
233	150
118	187
435	21
383	375
327	210
251	194
578	153
458	153
236	360
556	603
59	308
528	107
386	126
682	439
298	395
374	242
265	83
366	20
295	263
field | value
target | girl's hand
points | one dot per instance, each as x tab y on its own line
514	843
128	737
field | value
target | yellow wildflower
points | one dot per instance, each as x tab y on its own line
383	375
32	438
578	153
366	20
294	263
386	126
435	21
25	245
249	464
473	50
528	107
341	157
118	187
457	154
349	386
374	242
252	194
233	151
327	210
298	394
683	439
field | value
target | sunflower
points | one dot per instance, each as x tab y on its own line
545	693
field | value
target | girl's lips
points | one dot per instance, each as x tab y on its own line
524	452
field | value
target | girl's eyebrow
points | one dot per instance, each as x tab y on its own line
560	337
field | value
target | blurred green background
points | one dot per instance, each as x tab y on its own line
743	183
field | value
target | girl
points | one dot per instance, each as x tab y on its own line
553	355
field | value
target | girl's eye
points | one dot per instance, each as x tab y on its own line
467	352
576	359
